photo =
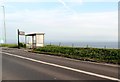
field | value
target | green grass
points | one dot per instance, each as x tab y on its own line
87	54
9	45
22	45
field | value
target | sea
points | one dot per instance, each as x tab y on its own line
109	45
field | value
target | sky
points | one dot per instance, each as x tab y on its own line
62	20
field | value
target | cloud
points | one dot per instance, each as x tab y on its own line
65	5
60	25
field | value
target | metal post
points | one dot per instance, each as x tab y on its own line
87	46
105	47
72	45
25	41
4	24
43	40
59	43
18	40
33	42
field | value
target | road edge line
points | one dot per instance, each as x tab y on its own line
64	67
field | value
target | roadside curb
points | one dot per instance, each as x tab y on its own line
75	59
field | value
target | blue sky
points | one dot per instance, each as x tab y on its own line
86	7
62	20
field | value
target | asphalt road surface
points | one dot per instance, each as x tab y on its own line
23	65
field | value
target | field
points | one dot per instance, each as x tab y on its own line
9	45
22	45
86	54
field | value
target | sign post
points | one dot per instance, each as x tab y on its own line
18	40
20	33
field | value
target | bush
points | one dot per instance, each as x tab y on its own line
22	45
94	54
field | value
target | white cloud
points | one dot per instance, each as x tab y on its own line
65	5
60	25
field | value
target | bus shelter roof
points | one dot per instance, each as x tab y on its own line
34	34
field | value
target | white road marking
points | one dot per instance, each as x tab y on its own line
64	67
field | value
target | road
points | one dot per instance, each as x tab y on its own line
18	64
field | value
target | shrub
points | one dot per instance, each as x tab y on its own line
94	54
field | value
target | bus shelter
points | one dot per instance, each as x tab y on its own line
35	40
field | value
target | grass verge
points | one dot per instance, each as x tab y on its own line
22	45
86	54
9	45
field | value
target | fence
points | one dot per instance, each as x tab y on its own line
111	45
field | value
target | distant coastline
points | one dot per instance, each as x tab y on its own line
109	45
